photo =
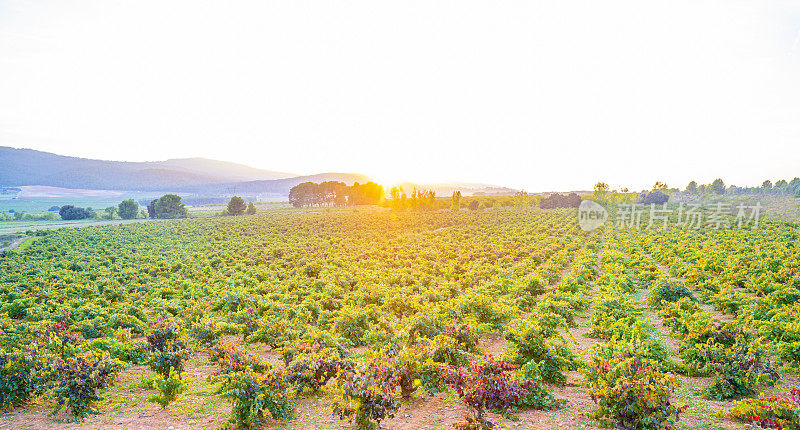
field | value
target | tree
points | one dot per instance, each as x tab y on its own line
236	206
423	200
304	194
251	209
456	200
151	209
660	186
394	193
718	187
794	186
600	192
781	187
691	188
521	199
328	191
395	200
70	212
169	206
430	197
366	194
766	185
128	209
655	197
111	210
558	201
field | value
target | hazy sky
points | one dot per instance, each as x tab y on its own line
537	94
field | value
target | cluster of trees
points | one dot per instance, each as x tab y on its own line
780	188
604	194
70	212
167	206
427	200
334	193
237	206
553	201
660	193
419	200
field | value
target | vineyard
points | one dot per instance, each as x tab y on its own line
401	320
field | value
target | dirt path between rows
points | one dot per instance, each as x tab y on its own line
690	387
16	243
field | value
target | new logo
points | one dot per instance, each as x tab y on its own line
591	215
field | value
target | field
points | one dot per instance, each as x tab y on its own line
39	199
36	200
40	205
342	310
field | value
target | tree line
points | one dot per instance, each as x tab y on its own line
780	188
167	206
334	193
419	200
660	193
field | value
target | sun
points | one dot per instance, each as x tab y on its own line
389	179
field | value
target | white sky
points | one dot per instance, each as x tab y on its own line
549	95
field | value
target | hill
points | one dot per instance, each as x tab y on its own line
19	167
192	176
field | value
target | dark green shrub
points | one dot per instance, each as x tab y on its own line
738	369
415	367
631	394
352	323
485	384
94	328
21	376
668	291
79	379
312	365
206	332
368	394
537	340
537	396
166	347
255	394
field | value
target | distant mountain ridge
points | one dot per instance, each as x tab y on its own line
188	176
31	167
